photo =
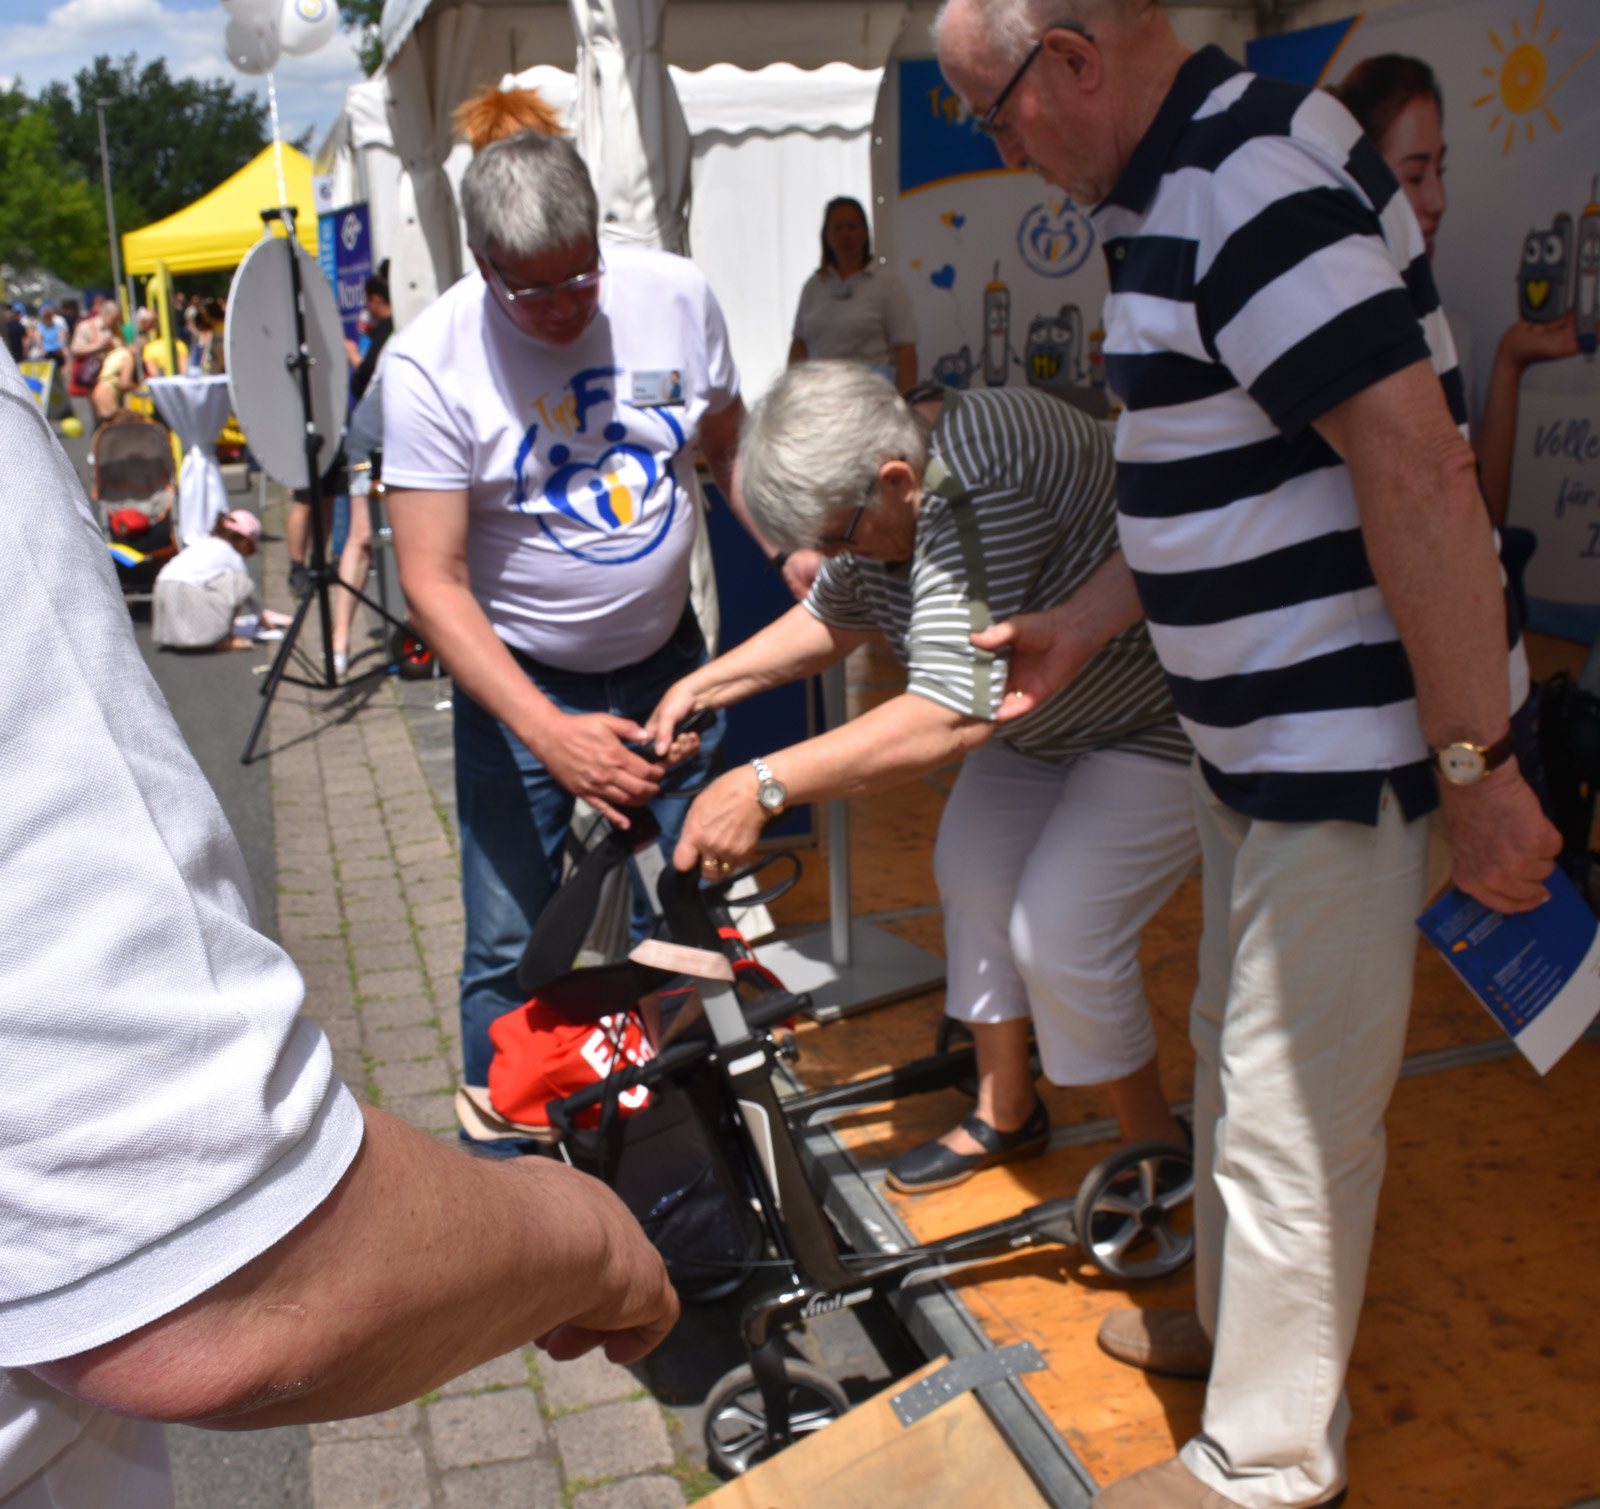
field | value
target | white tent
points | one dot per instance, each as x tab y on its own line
770	146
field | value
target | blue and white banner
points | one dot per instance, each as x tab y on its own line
344	248
1538	972
1002	269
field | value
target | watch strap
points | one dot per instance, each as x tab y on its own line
1494	755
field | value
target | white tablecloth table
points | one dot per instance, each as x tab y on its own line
196	408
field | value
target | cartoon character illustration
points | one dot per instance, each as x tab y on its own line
996	331
1052	356
1546	273
1587	294
954	369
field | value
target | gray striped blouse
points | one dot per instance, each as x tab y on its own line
1018	511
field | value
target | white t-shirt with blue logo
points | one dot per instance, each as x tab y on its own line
575	458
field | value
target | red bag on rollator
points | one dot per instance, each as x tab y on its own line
540	1056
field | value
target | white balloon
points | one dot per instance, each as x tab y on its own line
251	49
254	13
306	25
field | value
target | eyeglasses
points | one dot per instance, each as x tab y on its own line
577	286
850	528
988	122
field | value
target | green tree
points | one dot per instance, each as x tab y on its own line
49	216
169	140
363	16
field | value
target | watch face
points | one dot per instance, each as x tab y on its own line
772	795
1461	764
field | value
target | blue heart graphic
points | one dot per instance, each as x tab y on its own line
945	277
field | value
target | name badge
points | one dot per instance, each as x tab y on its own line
656	390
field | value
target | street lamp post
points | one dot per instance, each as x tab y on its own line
111	216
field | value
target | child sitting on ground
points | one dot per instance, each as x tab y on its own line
207	585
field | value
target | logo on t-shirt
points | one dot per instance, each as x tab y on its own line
605	493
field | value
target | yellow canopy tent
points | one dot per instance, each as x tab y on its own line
217	230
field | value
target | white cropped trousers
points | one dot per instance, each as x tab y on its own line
1048	875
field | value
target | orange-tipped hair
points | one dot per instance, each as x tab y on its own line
494	113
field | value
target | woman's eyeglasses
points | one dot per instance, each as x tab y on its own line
576	286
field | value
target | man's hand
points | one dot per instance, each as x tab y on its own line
587	756
800	570
1502	844
1043	658
723	825
634	1305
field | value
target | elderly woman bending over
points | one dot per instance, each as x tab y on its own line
1070	823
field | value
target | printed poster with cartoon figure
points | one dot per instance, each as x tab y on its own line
1516	248
1003	270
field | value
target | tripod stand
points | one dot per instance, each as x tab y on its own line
320	575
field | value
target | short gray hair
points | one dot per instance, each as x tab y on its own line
1013	26
812	448
527	195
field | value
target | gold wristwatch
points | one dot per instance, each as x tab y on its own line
1464	764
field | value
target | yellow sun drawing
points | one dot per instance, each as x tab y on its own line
1522	76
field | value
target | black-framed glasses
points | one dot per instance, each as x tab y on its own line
577	285
988	122
850	528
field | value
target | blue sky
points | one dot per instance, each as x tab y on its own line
43	40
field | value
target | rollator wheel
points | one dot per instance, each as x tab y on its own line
736	1419
1135	1211
414	660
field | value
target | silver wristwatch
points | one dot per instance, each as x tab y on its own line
770	791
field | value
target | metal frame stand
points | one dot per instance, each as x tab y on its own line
848	966
299	362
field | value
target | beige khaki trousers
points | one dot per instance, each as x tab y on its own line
1298	1027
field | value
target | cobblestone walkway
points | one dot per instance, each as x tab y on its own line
369	907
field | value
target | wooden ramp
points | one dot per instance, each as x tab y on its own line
1476	1376
869	1460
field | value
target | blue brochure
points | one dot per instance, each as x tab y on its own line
1537	972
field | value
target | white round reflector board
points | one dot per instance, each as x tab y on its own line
261	339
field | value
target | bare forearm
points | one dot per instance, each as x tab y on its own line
896	742
1431	550
421	1264
905	367
1497	435
795	646
1101	608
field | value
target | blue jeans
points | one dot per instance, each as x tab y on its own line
514	821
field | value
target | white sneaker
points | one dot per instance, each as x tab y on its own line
341	663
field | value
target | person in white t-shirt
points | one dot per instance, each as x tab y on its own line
539	424
198	1222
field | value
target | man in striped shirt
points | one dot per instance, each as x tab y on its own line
1063	835
1301	514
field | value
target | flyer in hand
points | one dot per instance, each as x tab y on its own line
1537	972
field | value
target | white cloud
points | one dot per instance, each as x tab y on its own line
310	90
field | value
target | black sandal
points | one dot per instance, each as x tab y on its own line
934	1166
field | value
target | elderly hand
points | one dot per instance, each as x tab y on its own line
1502	845
800	570
673	709
723	825
587	756
1044	658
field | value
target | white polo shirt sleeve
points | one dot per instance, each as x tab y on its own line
900	320
165	1113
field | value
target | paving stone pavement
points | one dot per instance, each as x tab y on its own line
369	907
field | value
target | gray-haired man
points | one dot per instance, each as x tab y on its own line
539	421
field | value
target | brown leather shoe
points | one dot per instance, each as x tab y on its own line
1170	1485
1159	1341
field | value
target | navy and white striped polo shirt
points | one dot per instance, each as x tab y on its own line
1265	267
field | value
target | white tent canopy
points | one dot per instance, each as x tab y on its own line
770	148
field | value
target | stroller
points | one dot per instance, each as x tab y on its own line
714	1168
132	483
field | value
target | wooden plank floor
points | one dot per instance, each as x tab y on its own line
1476	1376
